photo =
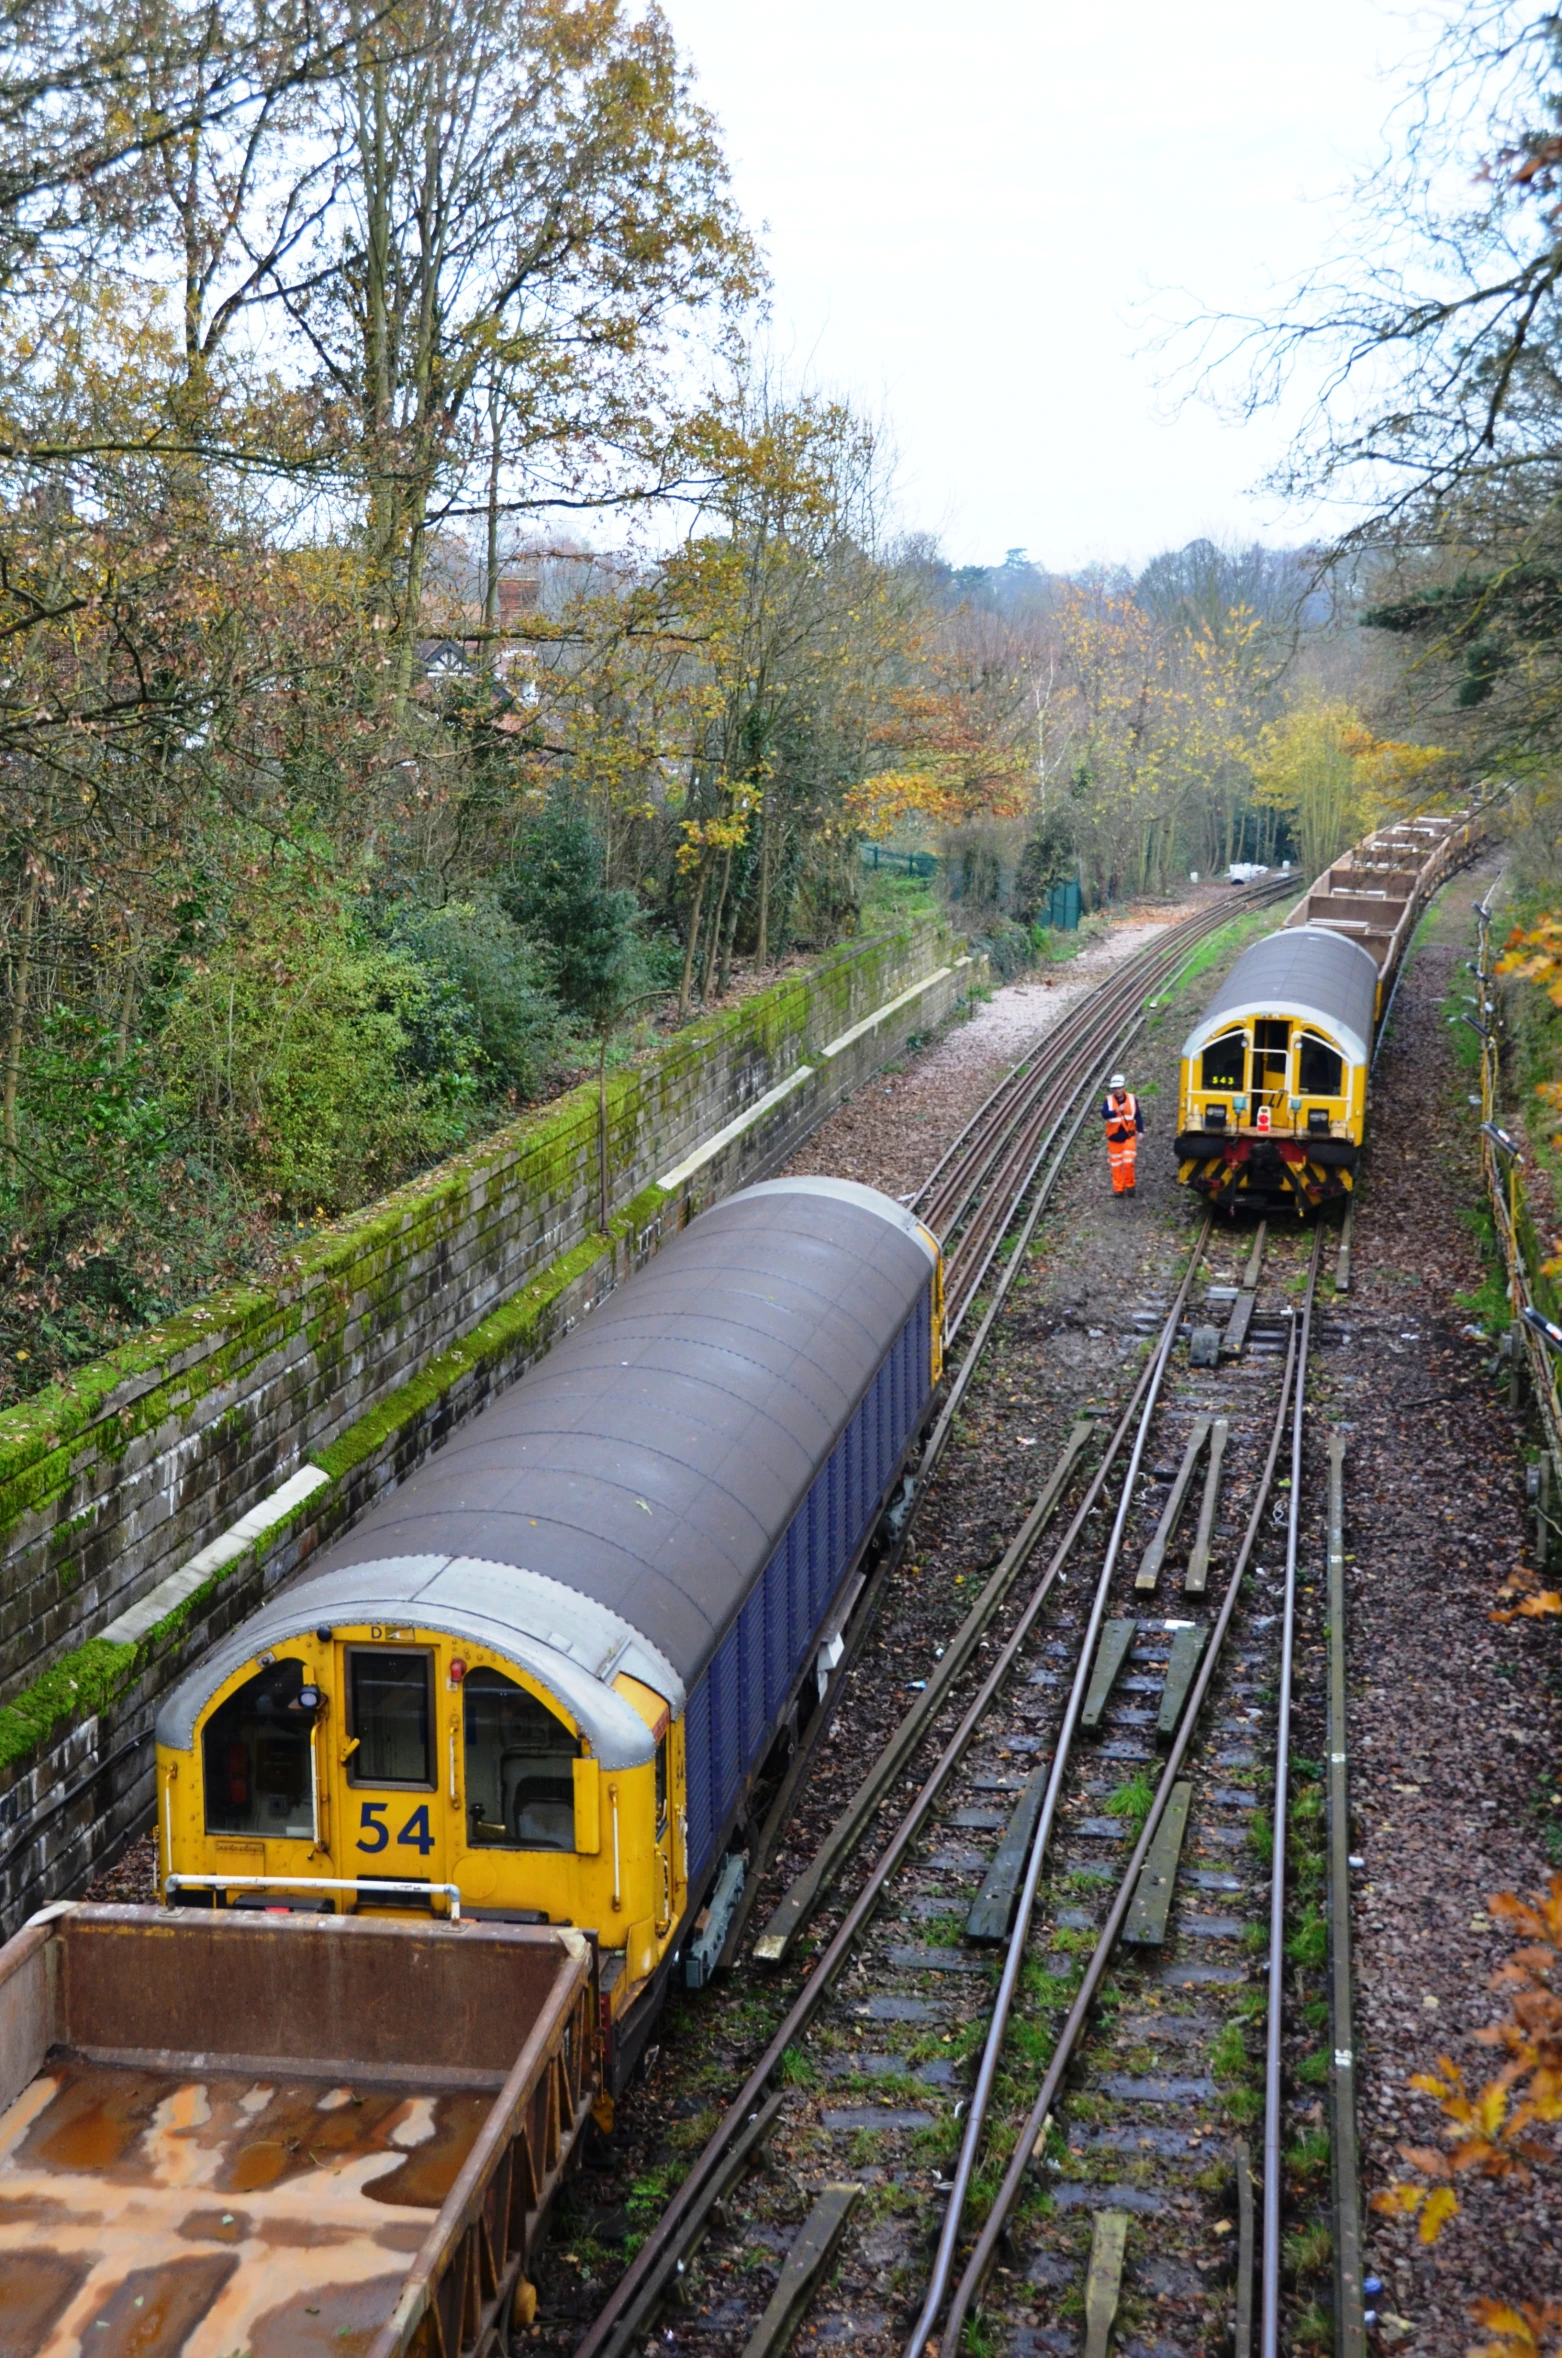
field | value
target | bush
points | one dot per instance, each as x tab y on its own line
107	1219
1009	948
512	1030
591	930
320	1068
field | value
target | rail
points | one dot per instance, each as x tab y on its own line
1349	2305
976	2115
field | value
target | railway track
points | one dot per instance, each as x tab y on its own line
1091	1745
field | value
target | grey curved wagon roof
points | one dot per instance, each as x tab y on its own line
616	1505
573	1646
1306	972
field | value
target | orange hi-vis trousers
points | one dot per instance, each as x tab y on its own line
1122	1150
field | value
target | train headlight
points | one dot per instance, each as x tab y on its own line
1214	1117
307	1699
1318	1121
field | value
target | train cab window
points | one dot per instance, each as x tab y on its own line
1224	1062
1271	1050
256	1756
661	1789
520	1768
1320	1069
390	1706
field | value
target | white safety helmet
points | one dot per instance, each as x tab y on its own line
1118	1081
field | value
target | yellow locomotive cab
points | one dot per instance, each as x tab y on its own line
541	1677
375	1754
1272	1098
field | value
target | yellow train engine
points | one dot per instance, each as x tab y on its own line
537	1681
1272	1097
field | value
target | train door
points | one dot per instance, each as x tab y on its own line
392	1810
1271	1060
666	1864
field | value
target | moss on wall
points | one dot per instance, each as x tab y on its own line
79	1686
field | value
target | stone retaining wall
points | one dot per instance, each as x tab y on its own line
162	1494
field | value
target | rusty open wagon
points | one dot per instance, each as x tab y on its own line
279	2135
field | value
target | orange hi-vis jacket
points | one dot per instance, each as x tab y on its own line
1122	1117
1124	1122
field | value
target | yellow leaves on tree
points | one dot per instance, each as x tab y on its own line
956	761
1334	780
704	839
1488	2132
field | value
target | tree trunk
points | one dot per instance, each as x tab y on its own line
762	949
491	559
689	947
714	940
373	140
407	649
127	1010
13	1046
724	970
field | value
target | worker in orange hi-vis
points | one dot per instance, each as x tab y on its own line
1124	1121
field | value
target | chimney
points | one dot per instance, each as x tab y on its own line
517	596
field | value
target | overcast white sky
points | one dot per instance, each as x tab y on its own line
972	214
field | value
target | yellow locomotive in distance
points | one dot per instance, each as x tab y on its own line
1272	1097
537	1680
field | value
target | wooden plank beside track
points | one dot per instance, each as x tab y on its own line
993	1905
805	2263
1241	1317
1155	1554
1111	1654
1104	2280
1187	1647
1196	1579
1145	1924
